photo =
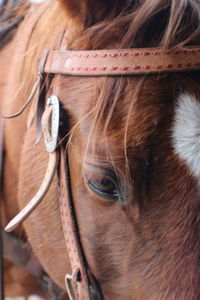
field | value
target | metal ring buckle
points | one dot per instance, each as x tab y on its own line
71	281
50	123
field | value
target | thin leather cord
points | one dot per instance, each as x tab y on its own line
21	110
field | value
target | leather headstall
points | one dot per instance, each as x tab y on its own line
81	285
122	61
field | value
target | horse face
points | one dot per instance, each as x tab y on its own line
135	198
134	184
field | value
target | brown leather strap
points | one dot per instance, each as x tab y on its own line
79	277
122	61
35	201
80	284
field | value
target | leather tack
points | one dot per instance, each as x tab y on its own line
122	61
77	283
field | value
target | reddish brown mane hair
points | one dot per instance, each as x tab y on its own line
136	24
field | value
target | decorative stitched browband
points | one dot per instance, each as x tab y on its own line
122	61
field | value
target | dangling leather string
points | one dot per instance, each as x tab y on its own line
38	86
21	110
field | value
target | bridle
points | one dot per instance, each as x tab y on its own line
81	284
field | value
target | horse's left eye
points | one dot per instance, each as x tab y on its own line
102	185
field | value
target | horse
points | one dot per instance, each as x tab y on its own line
130	145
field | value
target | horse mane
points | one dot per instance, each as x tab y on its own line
157	23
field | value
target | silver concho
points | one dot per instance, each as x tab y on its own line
54	124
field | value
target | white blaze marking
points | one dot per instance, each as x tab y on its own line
186	131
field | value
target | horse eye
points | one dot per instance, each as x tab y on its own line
102	185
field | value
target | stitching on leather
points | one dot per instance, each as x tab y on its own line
74	258
135	67
135	53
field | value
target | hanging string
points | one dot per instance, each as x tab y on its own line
33	91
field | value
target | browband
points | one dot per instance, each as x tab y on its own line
122	61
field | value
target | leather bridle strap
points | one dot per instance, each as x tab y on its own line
80	285
122	61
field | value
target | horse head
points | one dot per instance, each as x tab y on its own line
132	147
